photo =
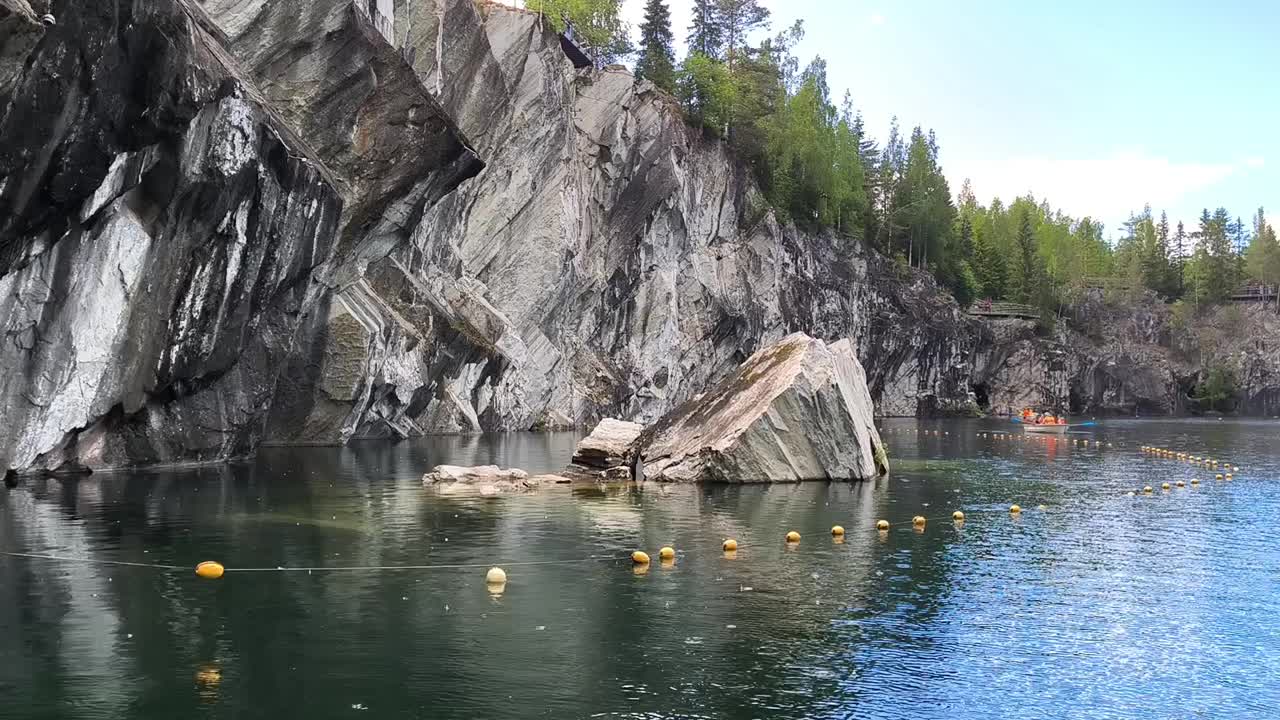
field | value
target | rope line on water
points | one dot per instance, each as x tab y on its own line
218	569
98	561
346	568
457	566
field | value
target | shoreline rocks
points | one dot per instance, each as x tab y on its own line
483	479
608	445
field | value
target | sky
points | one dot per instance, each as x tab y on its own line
1098	107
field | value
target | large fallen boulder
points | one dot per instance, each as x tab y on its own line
607	445
796	410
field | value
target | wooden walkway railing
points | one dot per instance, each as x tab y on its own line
1004	309
1256	293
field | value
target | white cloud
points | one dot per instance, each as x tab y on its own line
1106	188
877	19
1256	161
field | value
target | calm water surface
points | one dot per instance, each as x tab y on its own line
1097	606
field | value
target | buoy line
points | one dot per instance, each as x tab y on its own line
98	561
340	568
496	576
453	566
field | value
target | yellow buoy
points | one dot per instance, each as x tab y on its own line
1218	476
793	537
666	553
208	676
882	525
1181	484
957	516
1147	489
1195	481
730	545
918	521
837	530
1164	486
640	557
495	575
210	570
1015	509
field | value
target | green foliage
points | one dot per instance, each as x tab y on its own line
1262	260
1181	314
1028	268
814	172
1145	256
989	266
819	169
1214	271
657	61
1218	388
705	34
706	91
597	26
737	19
901	268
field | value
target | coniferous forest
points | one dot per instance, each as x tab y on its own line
821	170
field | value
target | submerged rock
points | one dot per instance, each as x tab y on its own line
796	410
482	479
476	474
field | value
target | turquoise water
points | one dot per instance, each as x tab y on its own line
1099	605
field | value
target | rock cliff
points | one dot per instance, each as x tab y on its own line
164	230
607	261
227	222
1136	356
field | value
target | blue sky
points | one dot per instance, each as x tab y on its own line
1098	107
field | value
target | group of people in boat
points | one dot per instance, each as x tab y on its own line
1032	417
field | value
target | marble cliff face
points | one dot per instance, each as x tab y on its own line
229	222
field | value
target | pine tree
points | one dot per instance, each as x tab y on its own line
1179	264
738	18
1026	276
1214	269
657	54
890	166
965	246
869	153
706	34
989	266
1262	260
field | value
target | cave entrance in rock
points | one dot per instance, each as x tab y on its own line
982	394
1075	404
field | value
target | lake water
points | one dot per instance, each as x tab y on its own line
1099	605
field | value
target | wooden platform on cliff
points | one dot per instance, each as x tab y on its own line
1004	310
1256	293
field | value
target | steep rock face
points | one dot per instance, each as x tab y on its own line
609	260
163	232
329	67
1133	358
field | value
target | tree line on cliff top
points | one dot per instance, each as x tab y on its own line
821	170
